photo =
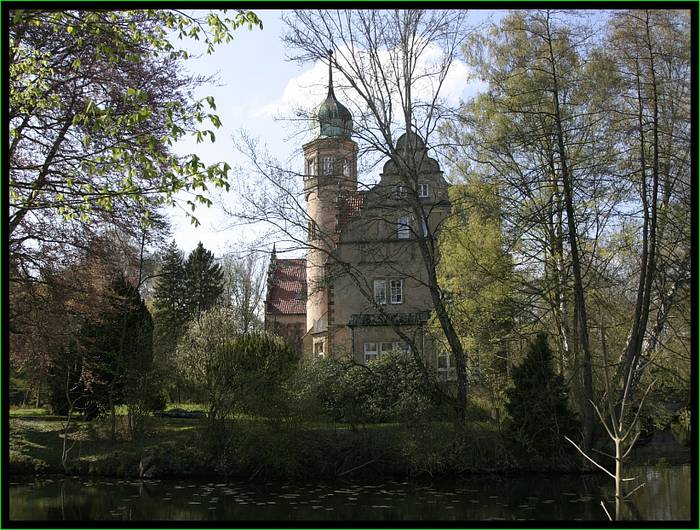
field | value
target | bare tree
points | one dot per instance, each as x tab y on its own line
621	427
393	66
244	284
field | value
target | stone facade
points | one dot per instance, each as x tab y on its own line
365	275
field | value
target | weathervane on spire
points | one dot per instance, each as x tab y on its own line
330	72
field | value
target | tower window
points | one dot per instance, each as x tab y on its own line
346	167
423	190
312	230
396	291
311	166
327	165
403	228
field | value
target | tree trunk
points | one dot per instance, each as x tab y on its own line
113	417
579	295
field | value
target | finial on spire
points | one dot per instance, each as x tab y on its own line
273	255
330	72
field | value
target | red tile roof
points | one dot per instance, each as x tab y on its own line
349	206
287	287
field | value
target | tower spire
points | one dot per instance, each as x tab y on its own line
330	73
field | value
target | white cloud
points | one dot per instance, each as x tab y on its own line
307	90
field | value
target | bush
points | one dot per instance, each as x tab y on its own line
234	373
389	389
396	390
329	389
538	404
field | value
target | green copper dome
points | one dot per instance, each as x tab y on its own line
334	119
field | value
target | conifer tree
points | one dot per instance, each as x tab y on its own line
538	402
204	281
118	345
170	301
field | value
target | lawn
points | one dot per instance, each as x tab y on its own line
290	449
36	439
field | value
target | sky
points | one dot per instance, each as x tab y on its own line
256	86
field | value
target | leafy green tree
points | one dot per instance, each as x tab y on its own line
538	403
537	132
96	100
477	272
204	281
234	373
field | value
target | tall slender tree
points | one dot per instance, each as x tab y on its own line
204	281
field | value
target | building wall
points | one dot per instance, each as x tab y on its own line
369	250
290	327
321	191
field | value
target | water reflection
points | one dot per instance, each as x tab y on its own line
665	497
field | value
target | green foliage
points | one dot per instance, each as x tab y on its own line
395	390
387	389
170	315
107	87
477	272
169	298
235	373
256	366
538	404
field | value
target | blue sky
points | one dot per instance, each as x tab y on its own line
255	86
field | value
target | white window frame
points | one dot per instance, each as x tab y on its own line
380	288
346	167
447	372
423	190
327	165
319	347
312	230
371	351
396	299
403	227
311	167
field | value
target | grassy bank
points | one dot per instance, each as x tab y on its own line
257	448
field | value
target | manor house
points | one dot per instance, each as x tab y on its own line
361	290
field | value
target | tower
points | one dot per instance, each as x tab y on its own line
330	171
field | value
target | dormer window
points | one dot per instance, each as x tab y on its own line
423	190
327	165
311	166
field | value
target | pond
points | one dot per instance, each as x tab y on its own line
666	496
